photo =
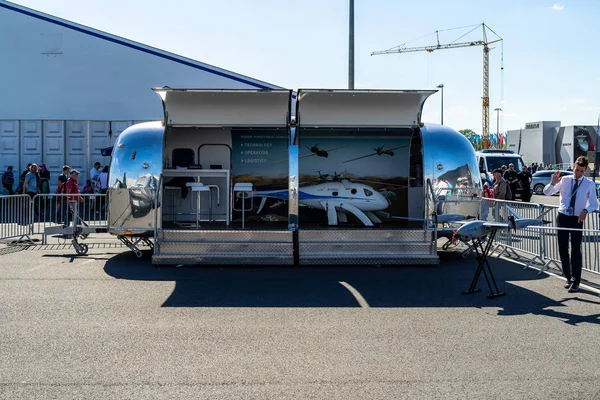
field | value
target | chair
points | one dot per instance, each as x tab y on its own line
243	187
198	188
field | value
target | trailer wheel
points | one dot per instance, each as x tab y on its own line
81	249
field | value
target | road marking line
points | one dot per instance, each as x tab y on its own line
361	300
44	265
88	261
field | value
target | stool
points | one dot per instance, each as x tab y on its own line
243	187
198	188
173	190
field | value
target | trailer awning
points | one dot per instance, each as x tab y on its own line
225	108
360	108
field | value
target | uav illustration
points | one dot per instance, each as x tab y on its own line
379	151
336	198
315	151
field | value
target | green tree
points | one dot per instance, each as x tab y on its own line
468	133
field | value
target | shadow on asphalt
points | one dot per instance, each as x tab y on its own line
399	286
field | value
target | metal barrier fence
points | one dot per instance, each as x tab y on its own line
23	216
540	244
15	216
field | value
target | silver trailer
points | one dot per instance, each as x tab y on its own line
276	177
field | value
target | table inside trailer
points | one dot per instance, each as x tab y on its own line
198	174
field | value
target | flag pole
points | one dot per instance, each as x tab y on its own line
596	150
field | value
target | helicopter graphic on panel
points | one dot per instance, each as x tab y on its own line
379	151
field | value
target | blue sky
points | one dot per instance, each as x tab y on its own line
551	50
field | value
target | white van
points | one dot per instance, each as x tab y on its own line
489	160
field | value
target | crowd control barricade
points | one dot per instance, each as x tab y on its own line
523	242
48	210
590	243
539	244
15	217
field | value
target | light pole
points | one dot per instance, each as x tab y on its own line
497	121
442	87
351	46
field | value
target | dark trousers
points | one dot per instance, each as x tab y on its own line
571	266
9	188
513	189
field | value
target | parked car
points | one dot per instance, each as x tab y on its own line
542	178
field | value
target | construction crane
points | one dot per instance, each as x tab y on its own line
453	45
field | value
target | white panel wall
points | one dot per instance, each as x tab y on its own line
54	149
77	147
99	139
77	75
9	146
31	143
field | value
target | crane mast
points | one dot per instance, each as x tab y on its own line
485	106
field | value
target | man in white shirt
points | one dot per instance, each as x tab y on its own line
94	173
577	200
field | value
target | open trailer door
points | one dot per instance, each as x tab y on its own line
361	145
360	108
225	108
239	138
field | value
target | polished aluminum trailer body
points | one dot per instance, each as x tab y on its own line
147	184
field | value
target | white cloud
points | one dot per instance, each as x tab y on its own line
579	100
558	7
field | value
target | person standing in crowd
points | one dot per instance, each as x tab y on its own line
22	180
103	180
577	200
501	191
525	178
512	178
44	182
62	179
72	188
8	179
500	185
61	203
103	188
44	176
30	185
95	172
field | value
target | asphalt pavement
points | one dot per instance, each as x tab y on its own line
111	326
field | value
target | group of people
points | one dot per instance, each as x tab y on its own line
507	182
36	180
535	167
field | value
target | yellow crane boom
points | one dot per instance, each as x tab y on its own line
485	123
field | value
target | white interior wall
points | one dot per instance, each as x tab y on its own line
192	139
